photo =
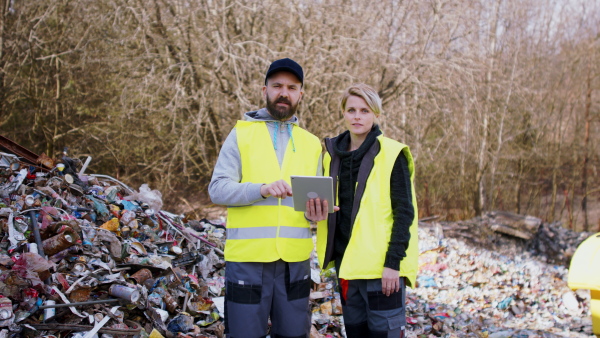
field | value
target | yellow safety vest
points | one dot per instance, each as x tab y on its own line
365	255
271	229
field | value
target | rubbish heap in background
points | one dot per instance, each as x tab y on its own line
86	256
126	267
325	303
480	279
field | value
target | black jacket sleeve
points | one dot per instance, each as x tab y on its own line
403	212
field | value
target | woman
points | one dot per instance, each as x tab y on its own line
372	239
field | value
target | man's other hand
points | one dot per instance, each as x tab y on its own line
317	209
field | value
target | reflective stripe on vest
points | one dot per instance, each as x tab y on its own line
365	255
270	229
268	232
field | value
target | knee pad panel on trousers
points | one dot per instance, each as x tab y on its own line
297	281
378	301
243	294
298	290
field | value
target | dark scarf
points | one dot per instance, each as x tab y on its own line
349	165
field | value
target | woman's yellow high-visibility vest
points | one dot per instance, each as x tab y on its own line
365	255
271	229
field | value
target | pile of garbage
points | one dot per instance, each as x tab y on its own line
476	281
84	255
325	302
468	291
87	256
550	242
556	243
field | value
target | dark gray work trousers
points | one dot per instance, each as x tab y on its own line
256	291
368	312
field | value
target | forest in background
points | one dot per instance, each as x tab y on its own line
498	99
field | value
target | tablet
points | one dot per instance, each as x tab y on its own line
307	187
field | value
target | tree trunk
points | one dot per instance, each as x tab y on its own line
586	142
501	128
486	113
519	187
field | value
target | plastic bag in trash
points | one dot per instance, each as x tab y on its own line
181	323
152	197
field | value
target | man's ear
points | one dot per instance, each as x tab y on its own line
264	91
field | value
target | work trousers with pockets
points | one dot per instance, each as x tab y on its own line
255	291
369	313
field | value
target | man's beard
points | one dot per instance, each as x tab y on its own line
281	113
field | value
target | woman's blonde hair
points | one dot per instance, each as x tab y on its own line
365	92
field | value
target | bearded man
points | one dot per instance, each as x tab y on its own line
268	243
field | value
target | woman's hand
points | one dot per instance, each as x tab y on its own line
317	210
390	281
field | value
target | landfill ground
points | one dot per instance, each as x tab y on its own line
494	288
85	255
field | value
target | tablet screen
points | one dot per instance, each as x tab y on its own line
307	187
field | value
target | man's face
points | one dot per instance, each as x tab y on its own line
283	92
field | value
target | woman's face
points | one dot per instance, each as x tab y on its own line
358	117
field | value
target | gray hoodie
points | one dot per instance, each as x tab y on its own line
225	187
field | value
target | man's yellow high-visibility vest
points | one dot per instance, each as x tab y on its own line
271	229
365	255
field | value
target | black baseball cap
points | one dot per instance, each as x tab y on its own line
287	65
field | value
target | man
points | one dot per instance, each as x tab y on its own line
268	243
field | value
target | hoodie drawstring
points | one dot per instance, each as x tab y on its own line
276	132
275	135
289	128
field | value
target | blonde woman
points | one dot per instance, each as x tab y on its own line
372	239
